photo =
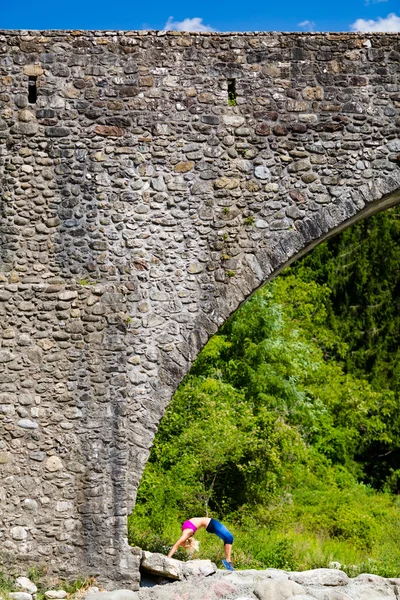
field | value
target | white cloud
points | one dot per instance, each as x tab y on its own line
368	2
389	24
195	24
307	25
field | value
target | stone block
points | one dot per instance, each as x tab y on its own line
22	128
54	463
20	534
4	458
33	70
109	131
161	565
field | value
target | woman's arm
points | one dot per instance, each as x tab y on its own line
185	536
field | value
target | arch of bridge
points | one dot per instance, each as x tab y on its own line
139	209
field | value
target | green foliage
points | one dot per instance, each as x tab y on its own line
278	555
232	99
288	425
73	586
6	585
36	574
86	281
249	221
361	268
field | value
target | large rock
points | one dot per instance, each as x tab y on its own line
161	565
320	577
374	591
198	568
277	590
23	584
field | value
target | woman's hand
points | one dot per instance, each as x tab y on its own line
185	536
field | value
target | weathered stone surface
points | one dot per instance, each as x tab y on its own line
20	595
198	568
277	590
21	128
33	70
332	577
122	182
371	592
4	458
184	167
20	533
263	129
54	463
161	565
109	131
57	132
25	585
27	424
262	172
55	594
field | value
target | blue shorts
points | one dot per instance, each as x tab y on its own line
220	530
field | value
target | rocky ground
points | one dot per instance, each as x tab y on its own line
169	579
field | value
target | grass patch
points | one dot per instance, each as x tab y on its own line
358	528
6	585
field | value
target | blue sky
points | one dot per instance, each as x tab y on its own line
218	15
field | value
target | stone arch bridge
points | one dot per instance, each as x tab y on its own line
150	182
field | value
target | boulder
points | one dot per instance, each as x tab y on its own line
161	565
198	568
377	591
23	584
277	590
332	577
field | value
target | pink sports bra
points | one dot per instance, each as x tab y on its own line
189	525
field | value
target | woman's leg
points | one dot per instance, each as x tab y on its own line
221	531
225	535
228	550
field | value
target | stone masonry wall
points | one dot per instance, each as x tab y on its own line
139	208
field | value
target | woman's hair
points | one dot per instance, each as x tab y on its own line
191	545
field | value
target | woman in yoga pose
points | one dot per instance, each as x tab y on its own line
190	527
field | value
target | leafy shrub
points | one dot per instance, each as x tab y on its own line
280	555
